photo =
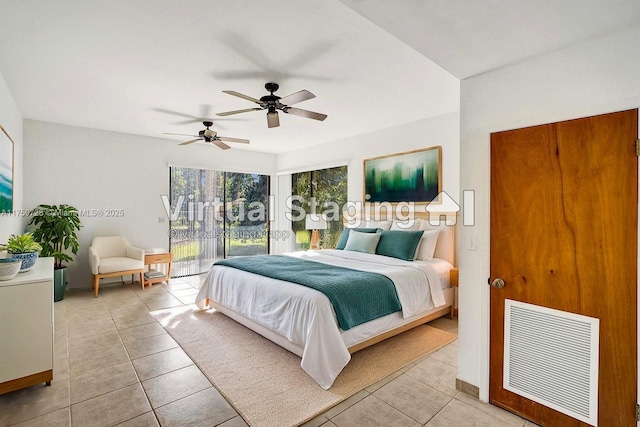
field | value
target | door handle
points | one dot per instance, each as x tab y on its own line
498	283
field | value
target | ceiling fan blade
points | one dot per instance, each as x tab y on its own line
299	96
243	96
246	110
187	122
176	113
180	134
305	113
227	139
273	121
220	144
190	142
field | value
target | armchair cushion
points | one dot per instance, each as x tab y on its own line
110	246
114	264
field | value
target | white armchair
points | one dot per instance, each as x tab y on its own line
111	256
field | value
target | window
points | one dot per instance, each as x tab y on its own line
216	215
320	191
247	214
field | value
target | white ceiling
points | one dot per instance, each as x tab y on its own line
129	65
470	37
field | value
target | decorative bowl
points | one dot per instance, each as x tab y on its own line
9	268
28	260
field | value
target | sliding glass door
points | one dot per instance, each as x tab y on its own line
246	219
216	215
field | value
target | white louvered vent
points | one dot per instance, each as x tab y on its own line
551	357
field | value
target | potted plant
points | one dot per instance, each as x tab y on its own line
24	248
56	232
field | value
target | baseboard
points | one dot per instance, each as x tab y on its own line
467	388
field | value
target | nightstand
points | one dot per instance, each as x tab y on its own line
156	276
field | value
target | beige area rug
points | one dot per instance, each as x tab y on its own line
265	382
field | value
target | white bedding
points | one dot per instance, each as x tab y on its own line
306	317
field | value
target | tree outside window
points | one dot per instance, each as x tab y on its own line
327	187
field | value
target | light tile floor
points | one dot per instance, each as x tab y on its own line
115	365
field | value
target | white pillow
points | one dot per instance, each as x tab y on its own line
383	225
427	245
408	225
362	242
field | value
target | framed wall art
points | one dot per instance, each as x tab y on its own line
6	171
413	176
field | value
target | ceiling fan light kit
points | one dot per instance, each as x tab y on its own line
273	103
210	136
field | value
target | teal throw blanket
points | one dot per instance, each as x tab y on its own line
357	296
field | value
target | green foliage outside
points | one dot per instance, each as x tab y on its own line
303	239
186	251
246	192
328	187
233	197
193	249
244	247
218	208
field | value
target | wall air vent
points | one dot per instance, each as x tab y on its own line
551	357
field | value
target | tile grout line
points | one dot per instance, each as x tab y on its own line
136	374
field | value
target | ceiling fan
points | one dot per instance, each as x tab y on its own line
272	103
208	135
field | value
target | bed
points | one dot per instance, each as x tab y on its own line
303	320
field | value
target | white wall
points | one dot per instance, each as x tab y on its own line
94	169
595	77
11	121
442	130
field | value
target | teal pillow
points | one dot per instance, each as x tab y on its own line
342	242
362	242
399	244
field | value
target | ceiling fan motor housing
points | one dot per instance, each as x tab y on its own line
271	101
271	87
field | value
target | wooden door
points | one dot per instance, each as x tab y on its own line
564	235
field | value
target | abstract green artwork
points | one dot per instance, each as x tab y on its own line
6	171
414	176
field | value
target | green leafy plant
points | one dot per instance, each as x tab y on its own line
21	244
56	232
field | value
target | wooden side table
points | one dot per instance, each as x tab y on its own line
155	259
453	281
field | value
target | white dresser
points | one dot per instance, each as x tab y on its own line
26	331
